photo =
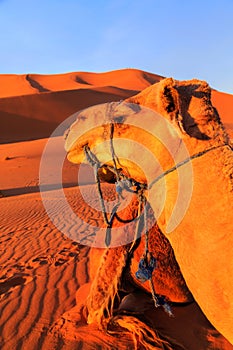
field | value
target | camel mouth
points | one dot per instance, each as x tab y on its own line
111	168
107	175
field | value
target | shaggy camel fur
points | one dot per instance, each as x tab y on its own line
202	241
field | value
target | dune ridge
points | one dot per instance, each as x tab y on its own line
33	105
129	79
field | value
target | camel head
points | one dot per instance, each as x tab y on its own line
148	128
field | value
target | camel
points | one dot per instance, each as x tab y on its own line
202	238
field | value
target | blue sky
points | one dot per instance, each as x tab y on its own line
178	38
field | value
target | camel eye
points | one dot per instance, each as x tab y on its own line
119	119
81	118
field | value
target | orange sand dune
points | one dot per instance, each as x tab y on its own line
14	85
129	79
224	104
36	116
20	163
32	106
41	269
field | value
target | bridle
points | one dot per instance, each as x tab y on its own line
147	263
124	182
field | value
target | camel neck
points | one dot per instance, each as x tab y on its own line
220	162
185	161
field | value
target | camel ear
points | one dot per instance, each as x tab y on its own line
168	101
188	106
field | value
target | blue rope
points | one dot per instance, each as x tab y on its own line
146	267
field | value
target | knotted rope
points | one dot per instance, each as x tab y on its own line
148	263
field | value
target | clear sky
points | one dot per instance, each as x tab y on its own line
178	38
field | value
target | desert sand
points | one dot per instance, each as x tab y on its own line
45	276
